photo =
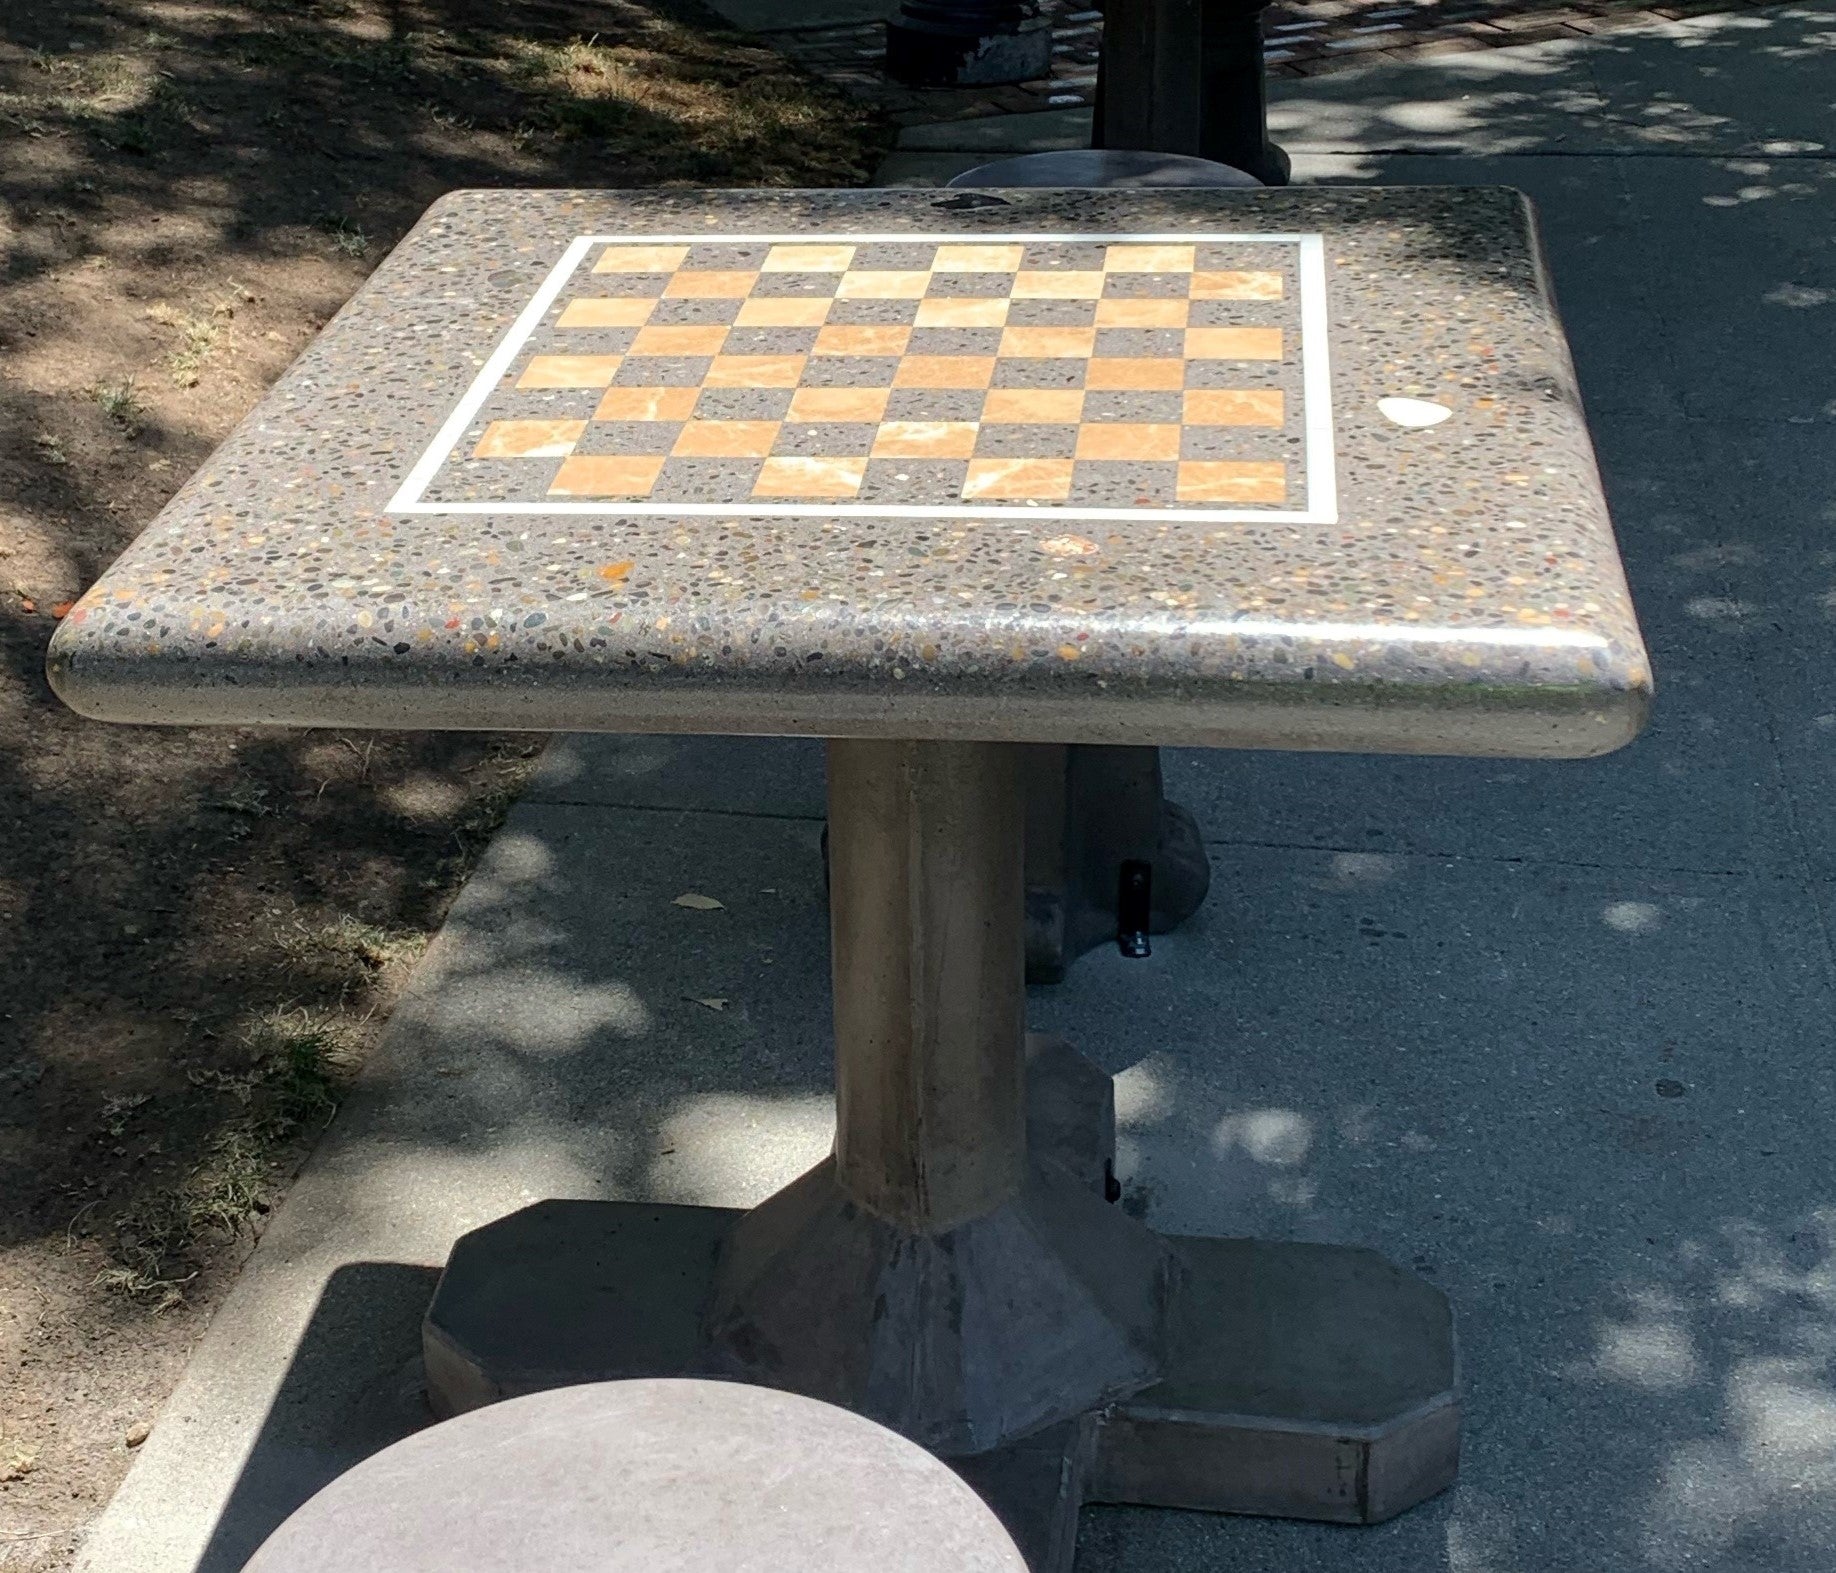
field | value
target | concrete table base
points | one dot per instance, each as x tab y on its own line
955	1269
1307	1381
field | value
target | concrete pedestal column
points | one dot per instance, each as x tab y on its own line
935	1274
1186	76
928	962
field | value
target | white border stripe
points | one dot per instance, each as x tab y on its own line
1316	395
1316	385
941	513
408	497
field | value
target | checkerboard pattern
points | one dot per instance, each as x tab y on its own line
957	375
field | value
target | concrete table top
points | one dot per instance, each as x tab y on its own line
1284	468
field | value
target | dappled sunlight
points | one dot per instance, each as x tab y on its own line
1280	1138
1798	297
1365	868
1482	1534
1653	1349
1682	87
1632	917
1143	1096
733	1149
1467	102
573	1015
1728	1344
1718	609
425	796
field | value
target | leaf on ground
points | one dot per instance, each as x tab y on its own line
27	604
61	608
696	902
714	1002
614	573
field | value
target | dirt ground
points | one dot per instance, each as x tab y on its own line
200	931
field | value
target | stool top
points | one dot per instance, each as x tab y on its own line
647	1477
1251	468
1099	166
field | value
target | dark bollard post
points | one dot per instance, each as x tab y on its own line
1186	76
962	43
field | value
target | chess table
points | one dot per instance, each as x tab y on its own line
933	476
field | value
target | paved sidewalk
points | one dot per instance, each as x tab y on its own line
845	41
1559	1035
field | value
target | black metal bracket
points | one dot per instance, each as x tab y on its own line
1107	856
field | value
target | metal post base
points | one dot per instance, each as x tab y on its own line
1089	811
1186	76
1306	1381
968	43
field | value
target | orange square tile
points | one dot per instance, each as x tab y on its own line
1234	407
800	477
606	475
754	371
710	285
1232	480
1133	373
569	371
1150	259
641	259
887	285
1044	285
862	339
839	404
1124	313
978	259
606	311
1053	343
725	439
944	371
1233	343
783	311
647	404
809	259
925	440
1034	406
692	339
1128	440
948	311
1041	480
1236	286
528	439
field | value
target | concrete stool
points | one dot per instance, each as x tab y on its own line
669	1476
1086	167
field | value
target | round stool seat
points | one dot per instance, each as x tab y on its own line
1088	167
658	1476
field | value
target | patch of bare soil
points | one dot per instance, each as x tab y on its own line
201	931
